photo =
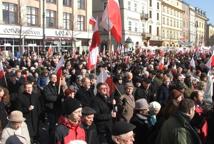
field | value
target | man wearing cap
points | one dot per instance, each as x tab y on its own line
141	121
89	126
16	131
144	91
122	133
127	103
68	128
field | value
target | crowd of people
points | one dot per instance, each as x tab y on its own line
150	97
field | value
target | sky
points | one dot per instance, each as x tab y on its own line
205	5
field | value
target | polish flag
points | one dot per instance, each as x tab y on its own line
92	21
1	70
94	48
58	69
210	62
104	77
50	51
111	19
161	64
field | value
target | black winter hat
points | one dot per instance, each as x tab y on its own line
122	127
71	105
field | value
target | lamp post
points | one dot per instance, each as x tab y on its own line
43	25
196	33
129	43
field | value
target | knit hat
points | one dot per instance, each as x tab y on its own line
71	105
122	127
141	104
129	84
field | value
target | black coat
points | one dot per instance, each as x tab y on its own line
24	100
142	130
52	99
91	134
85	96
103	118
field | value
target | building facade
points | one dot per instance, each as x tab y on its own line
172	22
154	23
65	23
201	24
210	35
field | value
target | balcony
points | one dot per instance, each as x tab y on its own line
144	16
146	36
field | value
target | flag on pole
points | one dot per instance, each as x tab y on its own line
210	62
94	48
58	69
161	64
104	77
1	70
192	63
111	19
92	21
50	51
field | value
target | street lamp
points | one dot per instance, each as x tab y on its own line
129	43
196	33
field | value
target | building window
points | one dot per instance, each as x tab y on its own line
67	2
50	18
66	20
130	26
150	29
135	27
135	7
158	6
129	5
81	23
32	16
163	19
81	4
158	16
150	14
157	31
10	15
150	3
51	1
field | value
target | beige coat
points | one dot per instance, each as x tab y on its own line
10	135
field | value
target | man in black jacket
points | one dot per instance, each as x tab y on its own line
103	105
52	102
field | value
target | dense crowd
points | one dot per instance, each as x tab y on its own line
144	97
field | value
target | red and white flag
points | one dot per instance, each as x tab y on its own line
94	48
210	62
161	64
58	69
50	51
92	21
111	19
1	70
104	77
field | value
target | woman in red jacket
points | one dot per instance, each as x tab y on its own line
69	128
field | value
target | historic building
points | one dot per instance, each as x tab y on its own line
61	23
